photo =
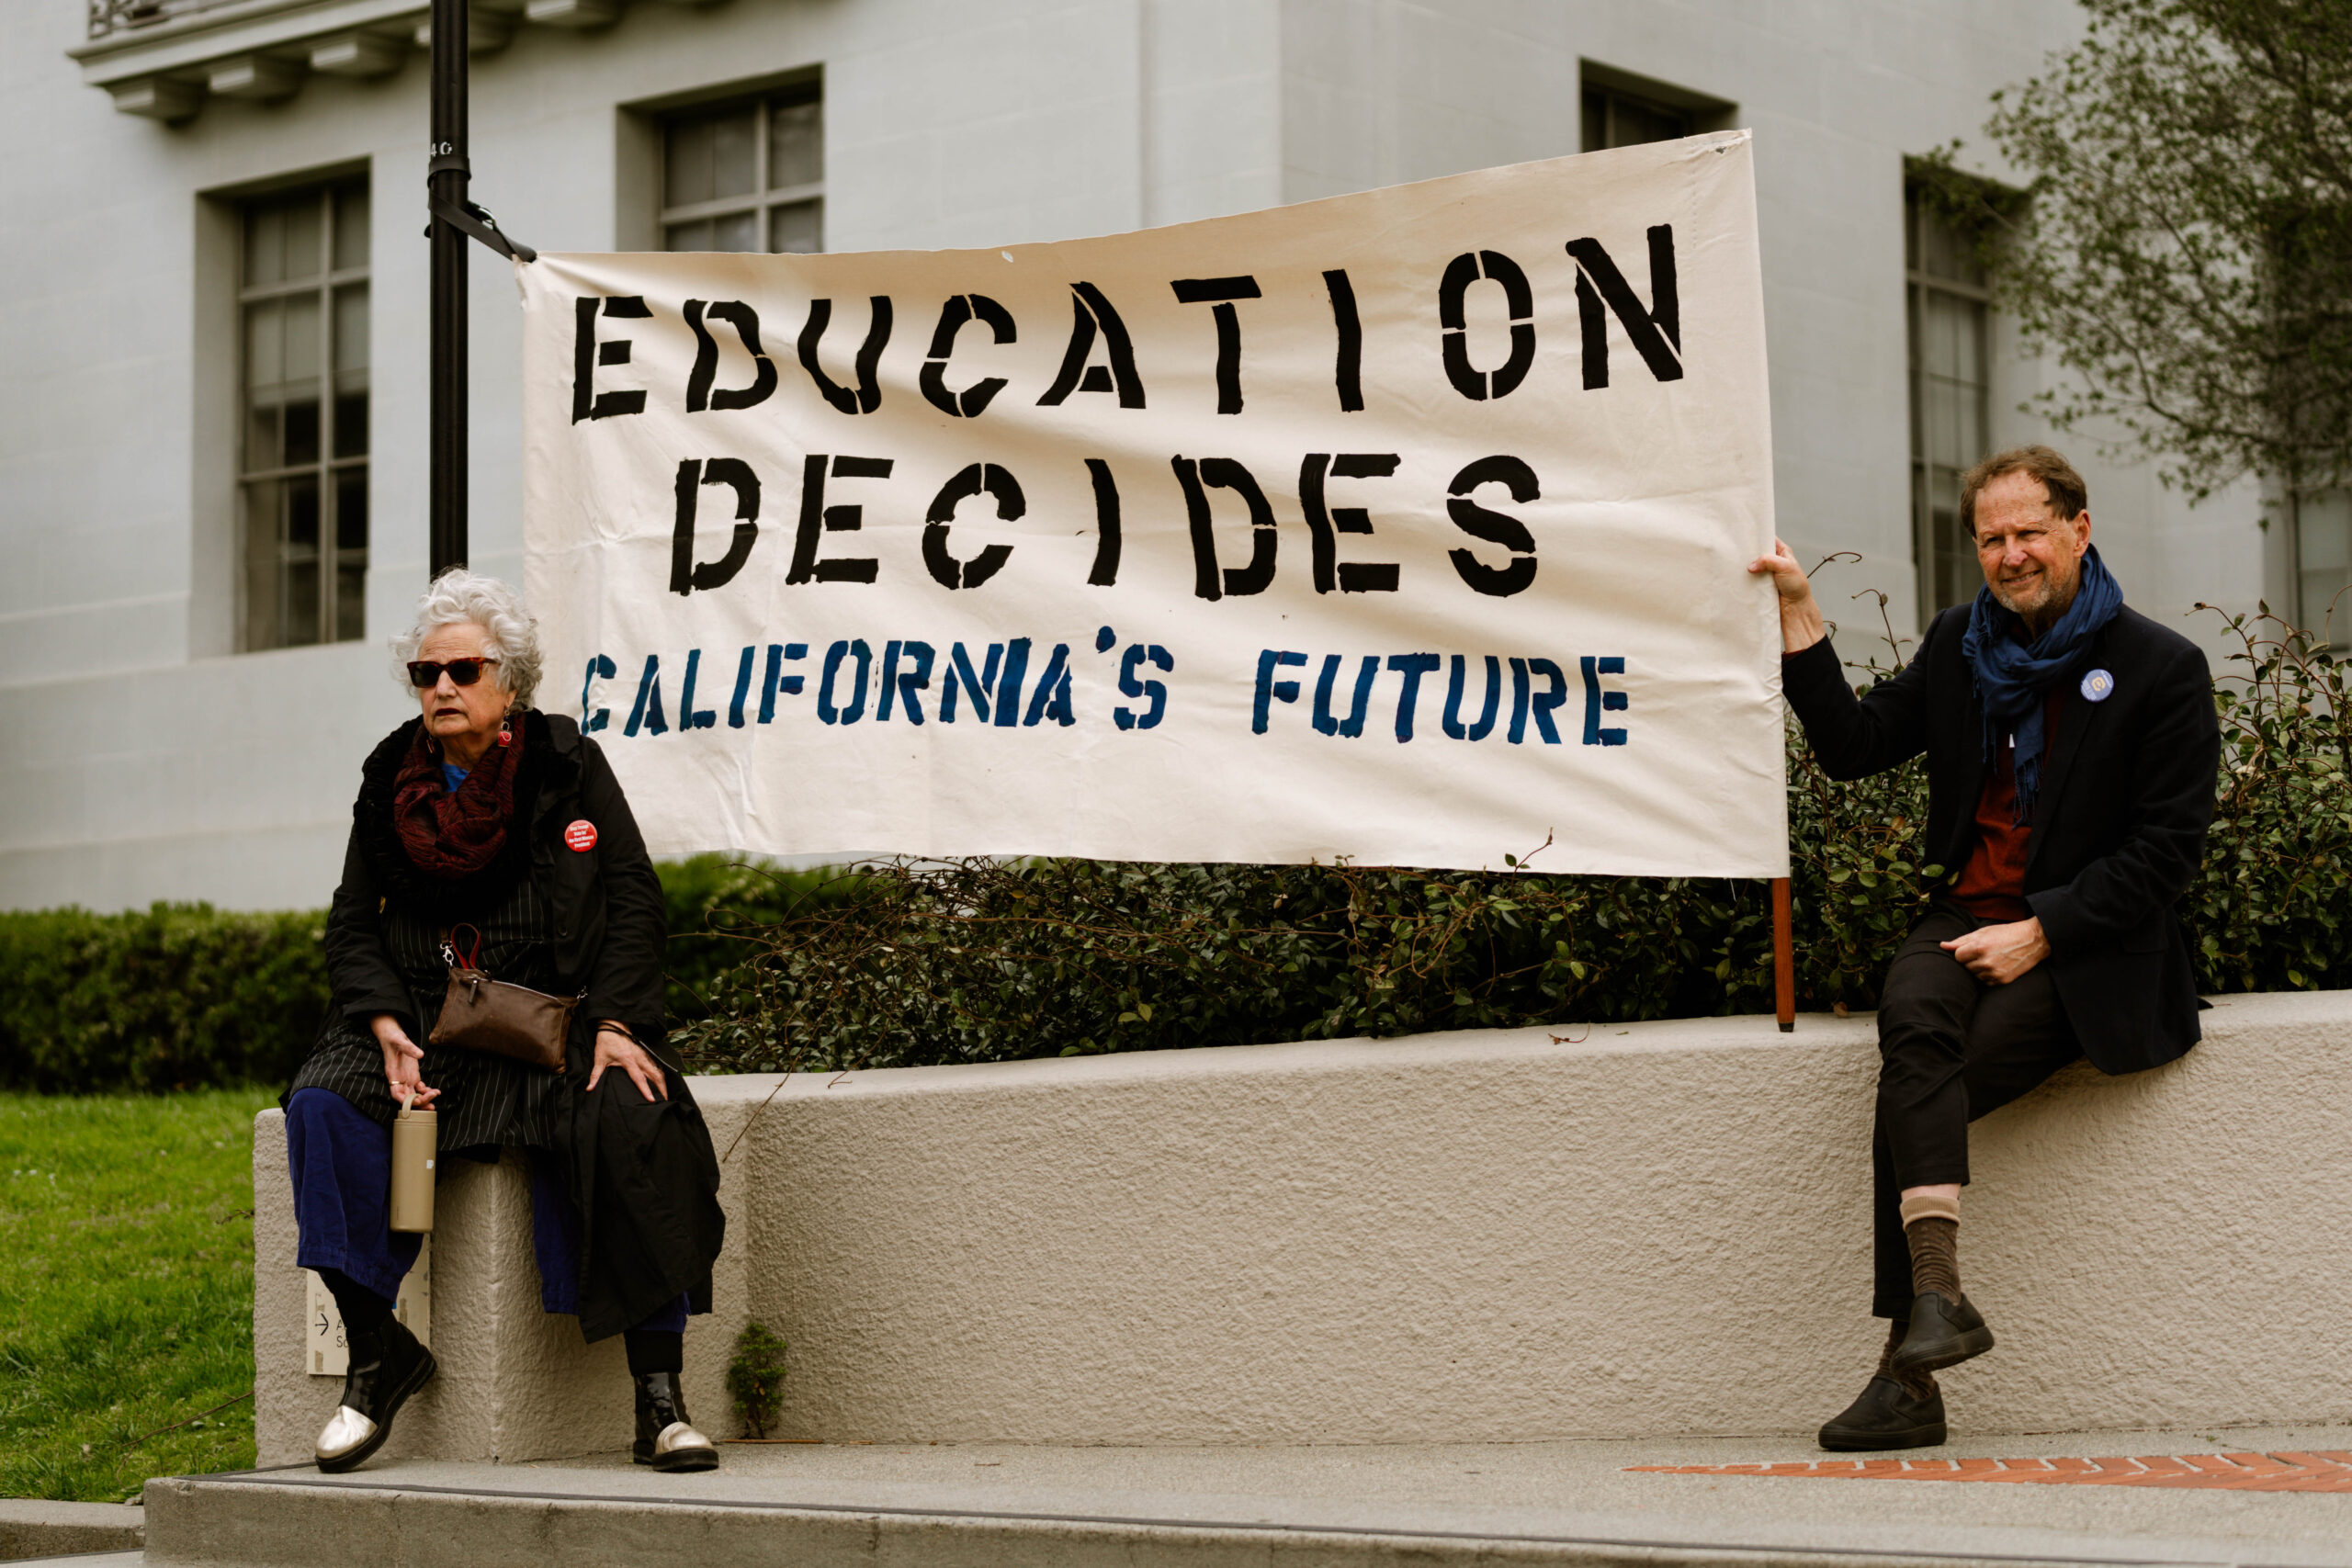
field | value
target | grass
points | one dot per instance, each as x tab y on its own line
125	1293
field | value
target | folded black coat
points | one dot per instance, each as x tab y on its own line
643	1175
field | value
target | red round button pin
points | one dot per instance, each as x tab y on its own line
581	835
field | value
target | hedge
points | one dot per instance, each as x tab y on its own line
906	962
901	961
184	996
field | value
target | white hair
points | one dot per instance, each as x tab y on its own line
458	597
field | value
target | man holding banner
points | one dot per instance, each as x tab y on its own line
2072	749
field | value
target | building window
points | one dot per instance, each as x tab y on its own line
304	463
2323	566
746	176
1950	394
1622	109
1613	117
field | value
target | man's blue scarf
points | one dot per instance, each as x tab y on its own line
2013	678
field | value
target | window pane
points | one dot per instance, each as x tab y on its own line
301	517
265	244
1943	251
711	156
735	232
350	552
301	613
1636	122
350	601
305	231
264	445
686	176
351	509
796	145
695	236
2324	525
351	228
351	424
351	327
261	564
265	344
733	152
302	337
797	228
264	369
1596	121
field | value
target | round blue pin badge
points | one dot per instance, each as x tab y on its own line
2098	686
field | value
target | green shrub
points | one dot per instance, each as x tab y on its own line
755	1377
910	962
716	905
176	997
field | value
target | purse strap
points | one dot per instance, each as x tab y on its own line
471	959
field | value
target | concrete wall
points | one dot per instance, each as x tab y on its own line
139	759
1478	1236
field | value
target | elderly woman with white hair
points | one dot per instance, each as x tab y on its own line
493	835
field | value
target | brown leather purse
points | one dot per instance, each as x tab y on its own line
478	1013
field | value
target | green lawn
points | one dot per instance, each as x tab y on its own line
125	1290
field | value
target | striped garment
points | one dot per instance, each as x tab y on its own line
485	1100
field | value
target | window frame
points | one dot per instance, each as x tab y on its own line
761	202
1917	284
324	286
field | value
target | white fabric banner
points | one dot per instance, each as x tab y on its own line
1406	526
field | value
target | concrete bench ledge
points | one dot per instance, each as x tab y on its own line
32	1526
1490	1235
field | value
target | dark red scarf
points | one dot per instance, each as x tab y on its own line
453	834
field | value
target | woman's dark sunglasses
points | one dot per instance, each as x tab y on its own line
424	672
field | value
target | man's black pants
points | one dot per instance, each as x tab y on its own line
1950	1050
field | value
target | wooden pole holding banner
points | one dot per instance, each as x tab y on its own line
444	182
1784	959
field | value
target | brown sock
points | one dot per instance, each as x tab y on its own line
1931	1228
1935	1256
1918	1386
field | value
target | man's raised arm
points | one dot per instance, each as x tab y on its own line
1851	738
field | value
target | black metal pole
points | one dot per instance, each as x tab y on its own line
446	178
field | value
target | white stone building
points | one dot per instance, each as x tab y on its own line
212	281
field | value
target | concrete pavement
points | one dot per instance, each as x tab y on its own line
986	1503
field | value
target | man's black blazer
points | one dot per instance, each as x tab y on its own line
2119	828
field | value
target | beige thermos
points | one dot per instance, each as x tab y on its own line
413	1135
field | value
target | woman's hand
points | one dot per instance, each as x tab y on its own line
401	1056
614	1049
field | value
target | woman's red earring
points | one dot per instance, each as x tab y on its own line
505	732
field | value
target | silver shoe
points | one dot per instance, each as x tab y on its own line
666	1438
680	1446
347	1431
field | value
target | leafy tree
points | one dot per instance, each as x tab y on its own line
2187	246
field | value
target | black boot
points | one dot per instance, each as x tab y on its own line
387	1364
666	1440
1945	1331
1887	1416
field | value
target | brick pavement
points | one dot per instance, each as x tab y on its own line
2283	1472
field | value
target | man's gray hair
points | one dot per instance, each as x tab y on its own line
459	596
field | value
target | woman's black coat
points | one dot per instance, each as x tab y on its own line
643	1175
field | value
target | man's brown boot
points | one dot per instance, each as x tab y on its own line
1945	1329
1896	1410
